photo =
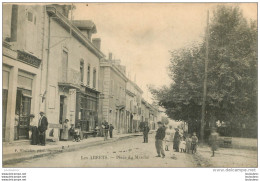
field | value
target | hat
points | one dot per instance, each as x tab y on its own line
159	122
177	129
41	112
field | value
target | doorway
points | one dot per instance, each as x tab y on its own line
22	113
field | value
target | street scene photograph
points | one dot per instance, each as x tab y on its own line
129	85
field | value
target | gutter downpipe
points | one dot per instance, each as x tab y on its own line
43	37
47	66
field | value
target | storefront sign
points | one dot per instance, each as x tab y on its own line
28	59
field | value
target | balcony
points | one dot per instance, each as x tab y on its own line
69	78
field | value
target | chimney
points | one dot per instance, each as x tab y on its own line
110	56
63	9
97	42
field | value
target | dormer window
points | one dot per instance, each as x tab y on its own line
30	16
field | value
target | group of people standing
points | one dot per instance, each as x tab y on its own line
186	143
107	128
39	132
180	142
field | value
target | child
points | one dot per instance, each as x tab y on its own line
194	142
188	144
77	134
183	145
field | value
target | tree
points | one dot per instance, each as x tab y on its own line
165	120
232	74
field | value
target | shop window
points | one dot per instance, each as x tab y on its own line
4	101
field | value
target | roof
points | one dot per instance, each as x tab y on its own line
85	25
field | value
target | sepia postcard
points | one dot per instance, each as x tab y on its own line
130	85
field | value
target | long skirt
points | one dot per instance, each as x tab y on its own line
35	136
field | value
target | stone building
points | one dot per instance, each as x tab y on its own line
112	84
23	34
72	70
50	64
151	114
133	106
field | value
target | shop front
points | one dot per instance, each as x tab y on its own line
20	89
87	109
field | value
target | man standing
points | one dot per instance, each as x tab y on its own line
146	130
160	134
42	127
111	127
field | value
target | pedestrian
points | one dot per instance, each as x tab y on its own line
71	131
168	137
194	142
160	134
146	130
65	130
176	140
34	131
111	128
188	143
77	133
213	140
183	144
42	127
106	129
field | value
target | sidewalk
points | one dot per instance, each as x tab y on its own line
20	151
243	153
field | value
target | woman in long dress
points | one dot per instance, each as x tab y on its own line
65	130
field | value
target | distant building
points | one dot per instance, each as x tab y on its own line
150	114
112	84
133	106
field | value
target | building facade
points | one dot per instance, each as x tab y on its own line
22	64
72	71
112	84
50	64
133	106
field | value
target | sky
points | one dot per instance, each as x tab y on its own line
142	35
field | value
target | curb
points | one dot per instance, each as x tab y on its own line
59	149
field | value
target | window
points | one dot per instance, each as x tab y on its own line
94	77
81	71
112	87
88	78
64	64
30	16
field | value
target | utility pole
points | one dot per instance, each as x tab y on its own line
205	82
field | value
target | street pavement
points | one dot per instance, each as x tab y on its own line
129	152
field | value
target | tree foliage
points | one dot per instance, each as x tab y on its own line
165	120
232	73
